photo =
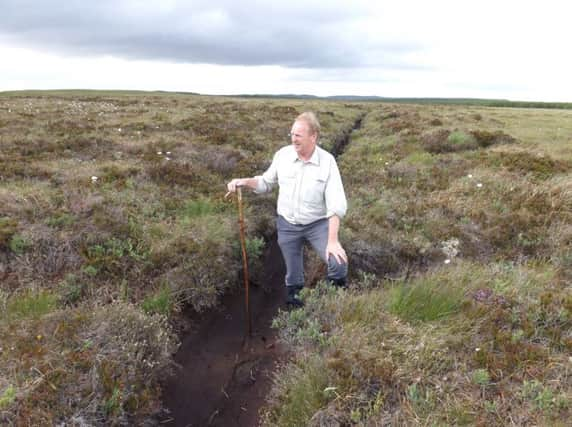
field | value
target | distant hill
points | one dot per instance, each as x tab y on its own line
346	98
452	101
89	92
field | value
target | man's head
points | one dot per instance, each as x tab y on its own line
305	133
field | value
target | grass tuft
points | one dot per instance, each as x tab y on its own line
30	305
305	386
425	299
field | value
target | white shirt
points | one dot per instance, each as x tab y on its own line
308	190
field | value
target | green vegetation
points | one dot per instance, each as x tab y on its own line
427	298
7	397
461	293
30	305
305	387
112	221
160	303
112	217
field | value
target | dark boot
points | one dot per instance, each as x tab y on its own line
338	283
293	296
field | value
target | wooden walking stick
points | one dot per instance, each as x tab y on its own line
244	262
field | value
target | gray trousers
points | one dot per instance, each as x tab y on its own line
291	238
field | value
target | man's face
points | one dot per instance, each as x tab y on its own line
302	139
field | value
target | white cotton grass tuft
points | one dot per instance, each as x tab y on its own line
479	185
450	248
94	178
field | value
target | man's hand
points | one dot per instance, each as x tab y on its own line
240	182
233	184
334	247
337	251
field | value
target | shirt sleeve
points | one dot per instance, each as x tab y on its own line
336	203
268	179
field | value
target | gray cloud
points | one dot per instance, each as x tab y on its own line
296	34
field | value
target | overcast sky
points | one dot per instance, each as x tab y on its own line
509	49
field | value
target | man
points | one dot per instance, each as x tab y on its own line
311	203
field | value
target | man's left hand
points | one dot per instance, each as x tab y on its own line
337	251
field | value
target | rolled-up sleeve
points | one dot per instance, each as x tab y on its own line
336	203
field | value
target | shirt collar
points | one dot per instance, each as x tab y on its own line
315	159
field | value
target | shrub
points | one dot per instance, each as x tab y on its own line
19	244
133	354
254	248
445	141
8	228
60	220
481	377
539	166
540	396
118	173
112	255
222	160
53	254
486	139
199	207
459	140
434	142
72	289
186	174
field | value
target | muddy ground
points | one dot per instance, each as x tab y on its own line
225	375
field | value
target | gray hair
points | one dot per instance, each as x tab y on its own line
311	120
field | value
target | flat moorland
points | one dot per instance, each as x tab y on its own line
459	309
112	221
459	232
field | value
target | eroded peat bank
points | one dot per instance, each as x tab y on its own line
114	234
224	375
